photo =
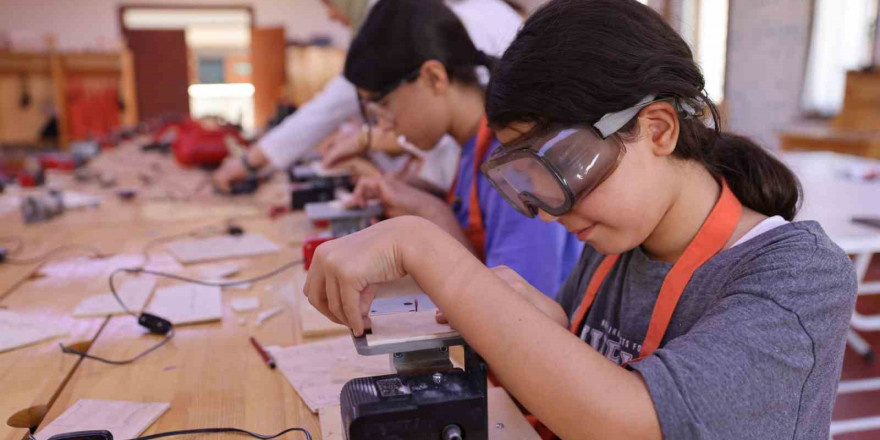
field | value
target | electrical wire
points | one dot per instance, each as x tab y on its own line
19	243
172	276
222	430
170	335
164	341
196	233
304	431
47	256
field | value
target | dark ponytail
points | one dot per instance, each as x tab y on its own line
575	60
400	35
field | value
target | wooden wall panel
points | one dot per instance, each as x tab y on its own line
309	69
268	71
19	124
161	70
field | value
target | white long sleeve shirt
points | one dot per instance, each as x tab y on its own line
491	24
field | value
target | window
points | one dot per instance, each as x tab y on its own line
211	70
842	39
703	25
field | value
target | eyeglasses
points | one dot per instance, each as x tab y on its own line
372	111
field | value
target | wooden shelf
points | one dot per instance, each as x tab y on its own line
34	69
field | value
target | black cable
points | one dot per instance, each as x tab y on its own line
172	276
170	334
206	230
164	341
48	255
19	243
305	432
221	430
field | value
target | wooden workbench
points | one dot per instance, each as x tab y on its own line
209	373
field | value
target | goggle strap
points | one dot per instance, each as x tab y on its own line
611	122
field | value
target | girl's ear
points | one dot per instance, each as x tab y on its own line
434	73
658	122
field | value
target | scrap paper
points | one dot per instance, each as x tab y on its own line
318	371
194	250
20	329
188	304
123	419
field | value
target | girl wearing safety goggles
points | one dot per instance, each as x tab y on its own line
418	76
699	308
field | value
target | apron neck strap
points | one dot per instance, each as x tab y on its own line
710	239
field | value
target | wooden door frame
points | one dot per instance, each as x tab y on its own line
124	7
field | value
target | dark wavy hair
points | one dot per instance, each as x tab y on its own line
575	60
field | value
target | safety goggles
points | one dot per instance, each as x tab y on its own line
551	171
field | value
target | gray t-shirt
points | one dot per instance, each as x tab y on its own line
755	345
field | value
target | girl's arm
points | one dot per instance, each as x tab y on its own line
569	386
400	198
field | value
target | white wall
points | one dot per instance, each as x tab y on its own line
94	24
767	51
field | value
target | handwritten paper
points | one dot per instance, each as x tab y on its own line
19	330
318	371
188	304
134	293
194	250
123	419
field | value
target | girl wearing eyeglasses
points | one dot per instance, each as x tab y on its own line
699	308
418	76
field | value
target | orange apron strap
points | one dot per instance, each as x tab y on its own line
475	231
481	147
710	240
596	281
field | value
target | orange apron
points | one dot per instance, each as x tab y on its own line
711	238
475	231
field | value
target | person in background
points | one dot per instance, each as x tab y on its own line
491	24
699	309
428	88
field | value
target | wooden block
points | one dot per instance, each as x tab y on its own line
134	292
245	304
335	210
123	419
220	247
188	304
20	330
505	420
312	322
318	371
406	327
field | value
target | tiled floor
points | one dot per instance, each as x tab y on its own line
854	367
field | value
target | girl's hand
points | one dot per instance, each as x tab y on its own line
343	270
342	145
358	167
397	197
